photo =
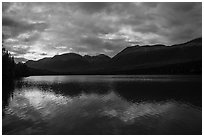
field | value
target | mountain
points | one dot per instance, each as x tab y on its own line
70	62
185	58
158	55
101	58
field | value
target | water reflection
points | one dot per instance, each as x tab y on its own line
94	114
132	88
56	106
7	91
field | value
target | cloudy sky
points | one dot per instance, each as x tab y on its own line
38	30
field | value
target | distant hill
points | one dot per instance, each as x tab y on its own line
185	58
158	55
70	62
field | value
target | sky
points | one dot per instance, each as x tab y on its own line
32	31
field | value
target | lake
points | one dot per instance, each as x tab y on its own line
118	104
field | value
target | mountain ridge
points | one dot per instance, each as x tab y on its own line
130	58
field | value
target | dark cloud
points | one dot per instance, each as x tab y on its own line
181	21
148	28
98	27
91	7
150	4
13	28
181	6
180	35
5	6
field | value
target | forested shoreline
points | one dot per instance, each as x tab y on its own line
10	69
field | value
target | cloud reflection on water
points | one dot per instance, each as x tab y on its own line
96	114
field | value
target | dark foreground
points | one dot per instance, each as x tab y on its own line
103	105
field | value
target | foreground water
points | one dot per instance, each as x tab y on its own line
104	105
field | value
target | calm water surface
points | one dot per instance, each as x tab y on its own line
104	105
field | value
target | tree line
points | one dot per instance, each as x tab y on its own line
10	69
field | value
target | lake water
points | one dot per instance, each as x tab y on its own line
104	105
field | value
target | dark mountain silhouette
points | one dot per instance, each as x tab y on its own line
185	58
70	62
158	55
97	59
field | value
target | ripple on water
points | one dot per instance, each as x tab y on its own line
39	112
